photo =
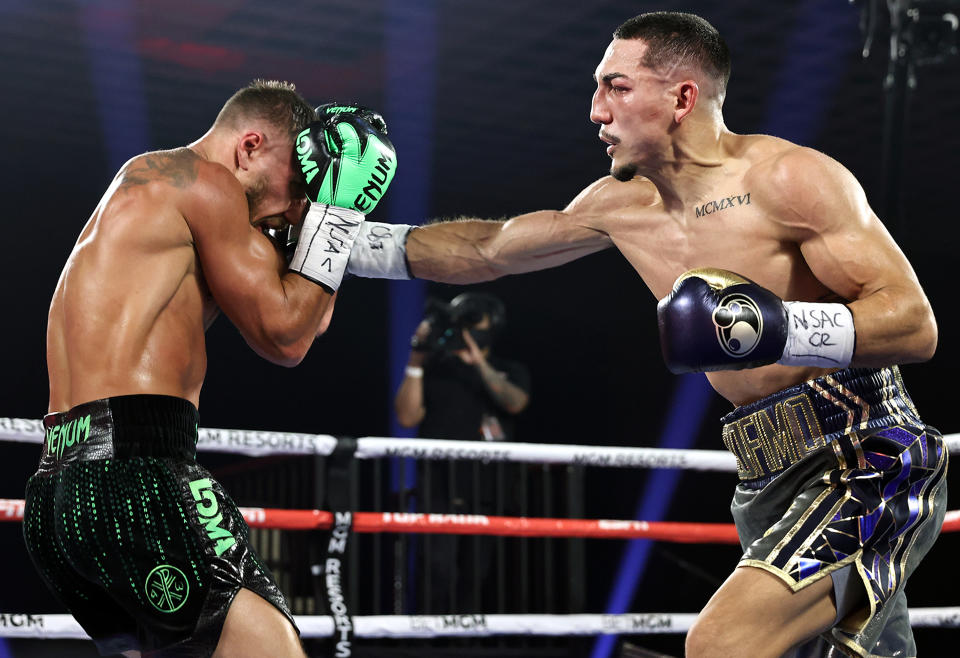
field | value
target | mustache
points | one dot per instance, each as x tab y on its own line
611	138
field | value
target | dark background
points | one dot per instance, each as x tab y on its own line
502	128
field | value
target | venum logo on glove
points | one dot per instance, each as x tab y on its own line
375	184
308	164
739	324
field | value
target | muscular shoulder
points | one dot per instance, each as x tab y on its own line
177	169
802	187
178	175
610	198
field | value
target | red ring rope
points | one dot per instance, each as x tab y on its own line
477	524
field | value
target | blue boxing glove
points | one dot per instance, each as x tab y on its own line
718	320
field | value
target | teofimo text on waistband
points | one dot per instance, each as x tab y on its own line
773	438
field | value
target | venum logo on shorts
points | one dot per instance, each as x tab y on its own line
166	588
739	324
66	435
209	510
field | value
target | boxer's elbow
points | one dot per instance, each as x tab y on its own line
926	334
287	356
491	261
283	345
918	335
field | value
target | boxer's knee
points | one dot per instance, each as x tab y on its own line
714	637
254	627
709	637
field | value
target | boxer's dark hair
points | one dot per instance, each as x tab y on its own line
274	100
675	38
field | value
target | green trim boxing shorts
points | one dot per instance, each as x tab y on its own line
136	539
841	478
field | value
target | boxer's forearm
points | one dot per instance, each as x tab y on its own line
894	325
471	251
281	325
454	252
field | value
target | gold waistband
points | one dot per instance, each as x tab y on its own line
772	434
775	437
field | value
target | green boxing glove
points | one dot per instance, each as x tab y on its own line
329	111
347	164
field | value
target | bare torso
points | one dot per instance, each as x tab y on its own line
131	306
789	218
743	218
730	228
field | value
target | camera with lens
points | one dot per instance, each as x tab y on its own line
466	311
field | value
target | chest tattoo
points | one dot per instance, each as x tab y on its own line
722	204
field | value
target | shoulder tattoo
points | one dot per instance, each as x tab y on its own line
177	168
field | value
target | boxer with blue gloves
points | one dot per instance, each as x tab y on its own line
777	280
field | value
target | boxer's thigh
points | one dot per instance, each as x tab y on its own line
755	614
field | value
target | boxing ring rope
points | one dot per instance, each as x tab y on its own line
255	443
430	626
480	524
260	443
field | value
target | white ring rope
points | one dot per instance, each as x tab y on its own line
258	443
254	443
427	626
375	447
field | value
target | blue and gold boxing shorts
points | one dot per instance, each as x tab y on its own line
839	477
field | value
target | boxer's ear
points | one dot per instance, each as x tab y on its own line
248	148
686	94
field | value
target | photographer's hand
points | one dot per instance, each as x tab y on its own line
472	355
507	394
418	340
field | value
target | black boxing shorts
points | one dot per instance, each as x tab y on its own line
137	540
841	478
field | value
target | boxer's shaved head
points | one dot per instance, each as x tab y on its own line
276	101
677	41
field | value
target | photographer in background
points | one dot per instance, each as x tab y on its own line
455	388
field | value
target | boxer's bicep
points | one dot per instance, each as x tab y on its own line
848	249
842	241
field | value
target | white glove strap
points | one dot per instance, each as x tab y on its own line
381	252
818	335
326	238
